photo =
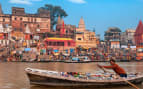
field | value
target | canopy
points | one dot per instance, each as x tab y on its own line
56	50
27	49
75	59
71	50
52	38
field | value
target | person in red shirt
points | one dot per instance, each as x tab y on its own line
119	70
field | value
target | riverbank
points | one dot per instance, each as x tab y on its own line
68	61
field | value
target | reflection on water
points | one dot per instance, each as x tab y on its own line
12	75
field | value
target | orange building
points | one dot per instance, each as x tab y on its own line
84	37
114	44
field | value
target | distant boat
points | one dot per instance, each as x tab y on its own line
78	59
54	78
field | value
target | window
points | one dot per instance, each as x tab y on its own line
15	29
15	18
47	43
58	43
25	25
38	26
61	44
69	43
79	38
3	20
21	19
21	29
50	43
35	20
54	43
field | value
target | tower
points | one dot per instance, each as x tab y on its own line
63	27
59	21
81	24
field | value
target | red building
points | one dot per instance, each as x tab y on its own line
139	41
139	34
60	43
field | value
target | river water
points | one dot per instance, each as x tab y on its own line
12	75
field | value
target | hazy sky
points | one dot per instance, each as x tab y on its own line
98	14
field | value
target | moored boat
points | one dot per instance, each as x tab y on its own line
54	78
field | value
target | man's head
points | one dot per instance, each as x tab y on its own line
112	61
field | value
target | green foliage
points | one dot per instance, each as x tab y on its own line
55	11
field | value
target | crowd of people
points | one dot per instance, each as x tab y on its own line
42	53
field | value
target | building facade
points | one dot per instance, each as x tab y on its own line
65	30
85	38
38	23
139	41
113	37
127	37
63	38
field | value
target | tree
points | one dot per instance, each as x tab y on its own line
55	11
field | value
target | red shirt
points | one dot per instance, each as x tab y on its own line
116	68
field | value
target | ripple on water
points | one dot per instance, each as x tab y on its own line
7	86
23	88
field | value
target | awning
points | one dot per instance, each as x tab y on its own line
56	50
27	49
58	39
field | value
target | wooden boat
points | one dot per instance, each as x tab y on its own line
78	59
54	78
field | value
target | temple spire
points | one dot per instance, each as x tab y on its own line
59	21
140	22
138	28
81	24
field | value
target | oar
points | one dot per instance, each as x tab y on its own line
133	85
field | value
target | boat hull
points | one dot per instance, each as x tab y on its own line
53	81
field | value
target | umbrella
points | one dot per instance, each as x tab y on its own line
56	50
27	49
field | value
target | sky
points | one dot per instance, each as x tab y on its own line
97	14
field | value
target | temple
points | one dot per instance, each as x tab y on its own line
139	34
84	37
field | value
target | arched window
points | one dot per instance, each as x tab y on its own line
38	26
25	25
3	20
15	18
35	20
21	19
